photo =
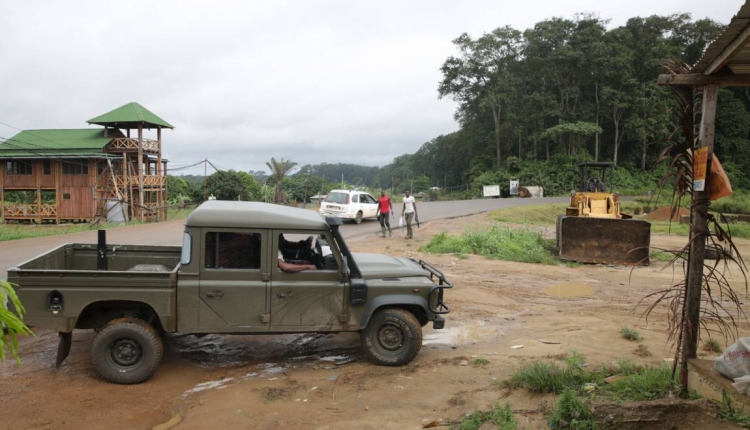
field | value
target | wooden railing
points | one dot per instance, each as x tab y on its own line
148	180
125	144
20	210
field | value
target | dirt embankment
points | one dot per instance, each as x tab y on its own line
507	313
663	214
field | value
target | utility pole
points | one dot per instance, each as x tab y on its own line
698	232
205	174
342	181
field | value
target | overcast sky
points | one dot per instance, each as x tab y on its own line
243	81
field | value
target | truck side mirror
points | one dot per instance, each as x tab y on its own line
344	269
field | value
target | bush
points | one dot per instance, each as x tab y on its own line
502	243
570	412
502	416
629	334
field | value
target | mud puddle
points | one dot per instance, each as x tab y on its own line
462	334
216	350
570	289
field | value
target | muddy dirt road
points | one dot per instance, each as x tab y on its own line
311	382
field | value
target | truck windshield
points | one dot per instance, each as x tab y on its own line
186	244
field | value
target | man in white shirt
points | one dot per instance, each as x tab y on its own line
410	211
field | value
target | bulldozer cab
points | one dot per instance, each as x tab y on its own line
592	199
593	230
594	176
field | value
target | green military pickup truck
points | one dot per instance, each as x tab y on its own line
226	278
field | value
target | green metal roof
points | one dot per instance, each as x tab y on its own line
55	143
130	116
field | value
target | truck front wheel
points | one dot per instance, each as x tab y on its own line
393	337
126	351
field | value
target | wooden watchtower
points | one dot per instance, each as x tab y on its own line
87	174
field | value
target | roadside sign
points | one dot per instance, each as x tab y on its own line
492	190
513	187
700	160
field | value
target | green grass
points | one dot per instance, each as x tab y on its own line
546	215
645	383
568	379
732	414
503	243
639	383
658	255
630	334
481	361
501	416
530	215
570	412
26	231
713	345
541	378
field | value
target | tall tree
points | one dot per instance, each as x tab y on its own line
279	169
481	79
226	185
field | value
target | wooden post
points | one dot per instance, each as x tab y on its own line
165	190
139	167
698	232
57	171
131	196
160	194
38	173
2	190
127	184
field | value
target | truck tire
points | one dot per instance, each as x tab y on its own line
393	337
358	217
126	351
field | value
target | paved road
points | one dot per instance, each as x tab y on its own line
170	233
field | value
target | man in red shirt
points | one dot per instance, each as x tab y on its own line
384	213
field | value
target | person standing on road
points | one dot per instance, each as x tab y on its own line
410	211
384	213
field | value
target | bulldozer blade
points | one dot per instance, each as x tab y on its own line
604	240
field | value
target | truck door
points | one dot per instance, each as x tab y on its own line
311	299
234	278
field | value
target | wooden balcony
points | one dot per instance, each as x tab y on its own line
149	181
124	144
20	211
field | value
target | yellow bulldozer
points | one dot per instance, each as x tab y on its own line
593	230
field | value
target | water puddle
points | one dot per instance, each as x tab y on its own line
570	289
478	331
215	350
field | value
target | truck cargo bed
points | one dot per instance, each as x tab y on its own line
135	274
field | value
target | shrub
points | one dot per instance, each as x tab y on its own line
502	243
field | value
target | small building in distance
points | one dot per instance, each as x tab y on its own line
59	175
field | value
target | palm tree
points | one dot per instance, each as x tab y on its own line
11	322
279	169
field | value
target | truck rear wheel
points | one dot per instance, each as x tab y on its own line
393	337
126	351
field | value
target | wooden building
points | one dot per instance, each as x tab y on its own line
87	174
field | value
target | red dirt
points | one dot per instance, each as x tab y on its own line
662	214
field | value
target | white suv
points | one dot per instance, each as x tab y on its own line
346	204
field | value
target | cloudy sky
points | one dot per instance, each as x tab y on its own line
308	80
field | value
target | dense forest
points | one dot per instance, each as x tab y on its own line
533	103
